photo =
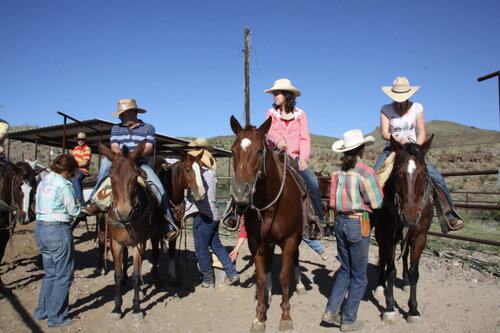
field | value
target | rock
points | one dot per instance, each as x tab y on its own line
474	280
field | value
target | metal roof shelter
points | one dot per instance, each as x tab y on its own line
97	130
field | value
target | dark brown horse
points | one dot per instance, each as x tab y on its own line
176	178
405	217
133	218
265	190
17	190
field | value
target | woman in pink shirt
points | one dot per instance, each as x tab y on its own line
289	132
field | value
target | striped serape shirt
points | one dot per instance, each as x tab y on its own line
209	205
132	137
82	154
356	190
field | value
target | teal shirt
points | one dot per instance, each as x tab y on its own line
55	200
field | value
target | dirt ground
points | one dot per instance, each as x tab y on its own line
452	296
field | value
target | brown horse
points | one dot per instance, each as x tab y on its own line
17	190
133	218
176	178
405	216
272	203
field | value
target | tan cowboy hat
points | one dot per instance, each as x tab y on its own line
352	139
4	127
400	90
283	85
126	104
81	136
199	145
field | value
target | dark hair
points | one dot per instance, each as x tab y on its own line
63	163
289	101
348	161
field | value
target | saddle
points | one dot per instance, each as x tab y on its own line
104	194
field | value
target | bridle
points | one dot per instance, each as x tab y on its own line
260	172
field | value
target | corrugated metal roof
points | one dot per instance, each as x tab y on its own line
97	130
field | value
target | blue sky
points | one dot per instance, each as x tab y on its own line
182	60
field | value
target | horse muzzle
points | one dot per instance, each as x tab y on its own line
242	193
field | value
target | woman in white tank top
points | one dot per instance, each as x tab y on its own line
404	120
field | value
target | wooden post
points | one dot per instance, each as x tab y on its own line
36	149
64	135
8	150
247	79
489	76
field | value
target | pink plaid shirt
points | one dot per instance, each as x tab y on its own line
296	133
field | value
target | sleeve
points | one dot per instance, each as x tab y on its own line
150	135
271	134
304	138
73	208
114	135
87	154
372	191
243	229
419	109
333	191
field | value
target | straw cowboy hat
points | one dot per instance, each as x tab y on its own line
352	139
4	127
283	85
400	90
81	136
199	145
126	104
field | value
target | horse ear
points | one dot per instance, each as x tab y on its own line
183	155
396	146
200	155
139	150
264	128
427	144
235	125
106	152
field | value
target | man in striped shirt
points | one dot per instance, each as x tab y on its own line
82	154
130	133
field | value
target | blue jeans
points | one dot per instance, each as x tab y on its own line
314	244
153	182
77	184
436	177
351	278
206	236
314	191
55	242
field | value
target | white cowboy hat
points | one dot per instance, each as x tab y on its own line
283	85
352	139
126	104
199	145
400	90
4	127
81	136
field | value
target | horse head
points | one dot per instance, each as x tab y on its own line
124	174
23	188
410	179
249	150
40	170
190	173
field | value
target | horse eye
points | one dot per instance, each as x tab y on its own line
260	151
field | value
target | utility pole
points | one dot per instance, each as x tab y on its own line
489	76
247	79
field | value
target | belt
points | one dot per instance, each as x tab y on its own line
352	216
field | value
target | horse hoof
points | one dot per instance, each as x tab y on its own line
138	316
286	325
389	317
406	289
258	326
115	316
379	291
413	320
301	290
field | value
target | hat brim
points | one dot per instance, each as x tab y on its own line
207	158
294	91
400	97
117	113
338	146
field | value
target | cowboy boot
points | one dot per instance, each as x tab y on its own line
454	223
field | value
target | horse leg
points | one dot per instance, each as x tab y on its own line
416	252
155	249
289	250
382	263
406	279
259	323
117	252
137	254
269	277
171	269
300	288
125	266
389	313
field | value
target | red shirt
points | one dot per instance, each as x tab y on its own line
81	154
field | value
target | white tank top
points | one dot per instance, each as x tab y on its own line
403	126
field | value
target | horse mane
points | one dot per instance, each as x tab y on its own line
412	149
125	151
